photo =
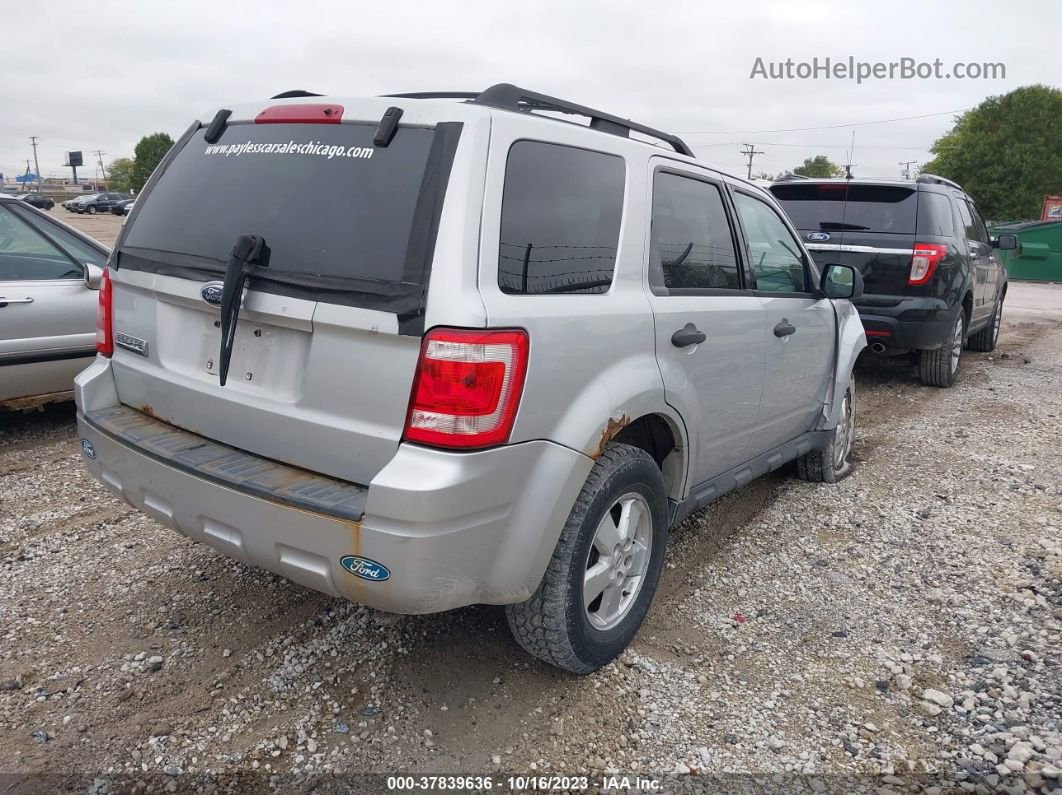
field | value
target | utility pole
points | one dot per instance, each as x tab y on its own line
906	173
750	152
36	165
99	158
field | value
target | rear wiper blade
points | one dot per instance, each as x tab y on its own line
836	225
249	252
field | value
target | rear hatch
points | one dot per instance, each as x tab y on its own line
329	333
871	227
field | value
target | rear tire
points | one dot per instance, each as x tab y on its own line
613	546
833	462
941	366
984	341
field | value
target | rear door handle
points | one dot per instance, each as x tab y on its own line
688	335
5	301
784	329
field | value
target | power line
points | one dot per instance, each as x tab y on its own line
823	127
813	145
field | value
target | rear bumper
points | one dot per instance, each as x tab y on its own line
450	529
912	324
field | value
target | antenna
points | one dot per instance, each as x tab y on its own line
750	152
851	156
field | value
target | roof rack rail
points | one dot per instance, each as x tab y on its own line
509	97
935	180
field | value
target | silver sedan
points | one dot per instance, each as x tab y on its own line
49	280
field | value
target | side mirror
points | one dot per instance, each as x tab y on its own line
841	281
93	276
1005	242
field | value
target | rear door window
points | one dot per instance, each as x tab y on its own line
842	207
979	228
344	221
692	244
969	227
560	221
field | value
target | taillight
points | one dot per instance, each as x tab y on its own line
467	387
104	336
924	261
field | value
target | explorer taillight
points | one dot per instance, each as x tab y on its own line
924	261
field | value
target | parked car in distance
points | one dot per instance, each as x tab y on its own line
38	200
70	205
124	207
101	203
932	279
49	278
495	365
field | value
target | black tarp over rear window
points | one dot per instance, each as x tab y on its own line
345	221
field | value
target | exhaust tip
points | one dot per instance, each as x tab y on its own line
877	347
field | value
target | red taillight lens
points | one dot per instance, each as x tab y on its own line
924	261
467	387
104	336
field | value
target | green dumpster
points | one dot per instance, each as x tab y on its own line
1039	254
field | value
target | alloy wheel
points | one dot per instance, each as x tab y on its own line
617	561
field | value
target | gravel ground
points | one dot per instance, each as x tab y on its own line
899	630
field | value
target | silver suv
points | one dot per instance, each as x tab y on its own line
431	350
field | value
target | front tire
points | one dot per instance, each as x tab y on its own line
941	366
833	462
605	568
91	210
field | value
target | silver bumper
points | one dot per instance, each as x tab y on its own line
440	530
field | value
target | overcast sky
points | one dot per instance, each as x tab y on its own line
100	75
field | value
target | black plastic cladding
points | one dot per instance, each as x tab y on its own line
509	97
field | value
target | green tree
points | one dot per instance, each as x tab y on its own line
818	166
1006	152
149	152
120	174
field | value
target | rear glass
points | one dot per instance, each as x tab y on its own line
333	208
839	207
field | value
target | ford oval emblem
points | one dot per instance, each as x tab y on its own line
212	292
365	568
819	236
88	448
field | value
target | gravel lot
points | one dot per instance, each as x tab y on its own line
901	629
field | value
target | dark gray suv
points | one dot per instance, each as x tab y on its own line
931	275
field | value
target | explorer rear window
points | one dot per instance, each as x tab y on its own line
841	207
345	221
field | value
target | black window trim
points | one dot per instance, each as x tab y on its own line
731	217
619	234
810	277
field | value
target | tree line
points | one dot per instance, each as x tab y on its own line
1006	153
